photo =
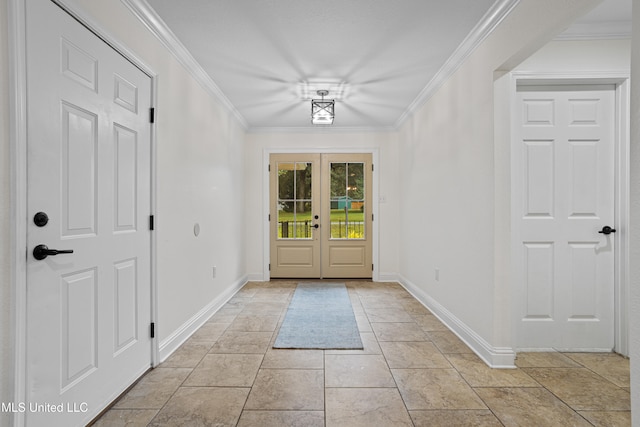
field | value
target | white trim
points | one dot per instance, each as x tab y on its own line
256	277
16	15
614	30
388	277
537	78
154	211
311	129
494	16
375	244
622	92
188	328
17	33
157	27
495	357
623	200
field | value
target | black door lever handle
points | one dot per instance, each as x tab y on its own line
40	252
607	230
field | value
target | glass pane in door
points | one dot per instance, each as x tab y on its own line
294	200
347	201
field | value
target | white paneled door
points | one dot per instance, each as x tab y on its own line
320	215
89	311
564	195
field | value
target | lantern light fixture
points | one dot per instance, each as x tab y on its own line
322	112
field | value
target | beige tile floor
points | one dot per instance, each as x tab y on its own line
412	372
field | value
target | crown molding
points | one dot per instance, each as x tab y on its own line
155	24
322	129
614	30
494	16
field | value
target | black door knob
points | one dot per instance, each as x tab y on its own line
315	225
40	219
607	230
40	252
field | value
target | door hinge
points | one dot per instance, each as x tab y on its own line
371	217
269	267
152	115
152	330
371	167
269	217
269	168
151	222
371	267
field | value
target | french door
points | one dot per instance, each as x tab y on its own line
321	215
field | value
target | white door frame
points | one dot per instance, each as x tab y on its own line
622	97
266	236
17	33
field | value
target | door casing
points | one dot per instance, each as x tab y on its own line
18	217
266	237
621	207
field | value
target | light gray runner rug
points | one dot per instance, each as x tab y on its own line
320	316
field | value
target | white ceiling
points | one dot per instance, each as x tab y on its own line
264	56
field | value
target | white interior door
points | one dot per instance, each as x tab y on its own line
563	197
88	312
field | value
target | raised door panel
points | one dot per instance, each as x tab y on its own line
295	256
539	179
125	302
583	179
125	193
79	327
347	257
79	190
539	281
78	65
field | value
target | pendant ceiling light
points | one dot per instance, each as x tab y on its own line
322	112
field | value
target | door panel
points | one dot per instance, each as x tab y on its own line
320	210
295	204
566	195
346	201
89	159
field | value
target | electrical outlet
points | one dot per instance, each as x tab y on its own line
437	274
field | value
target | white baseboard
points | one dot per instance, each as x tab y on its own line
388	277
180	335
255	277
495	357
